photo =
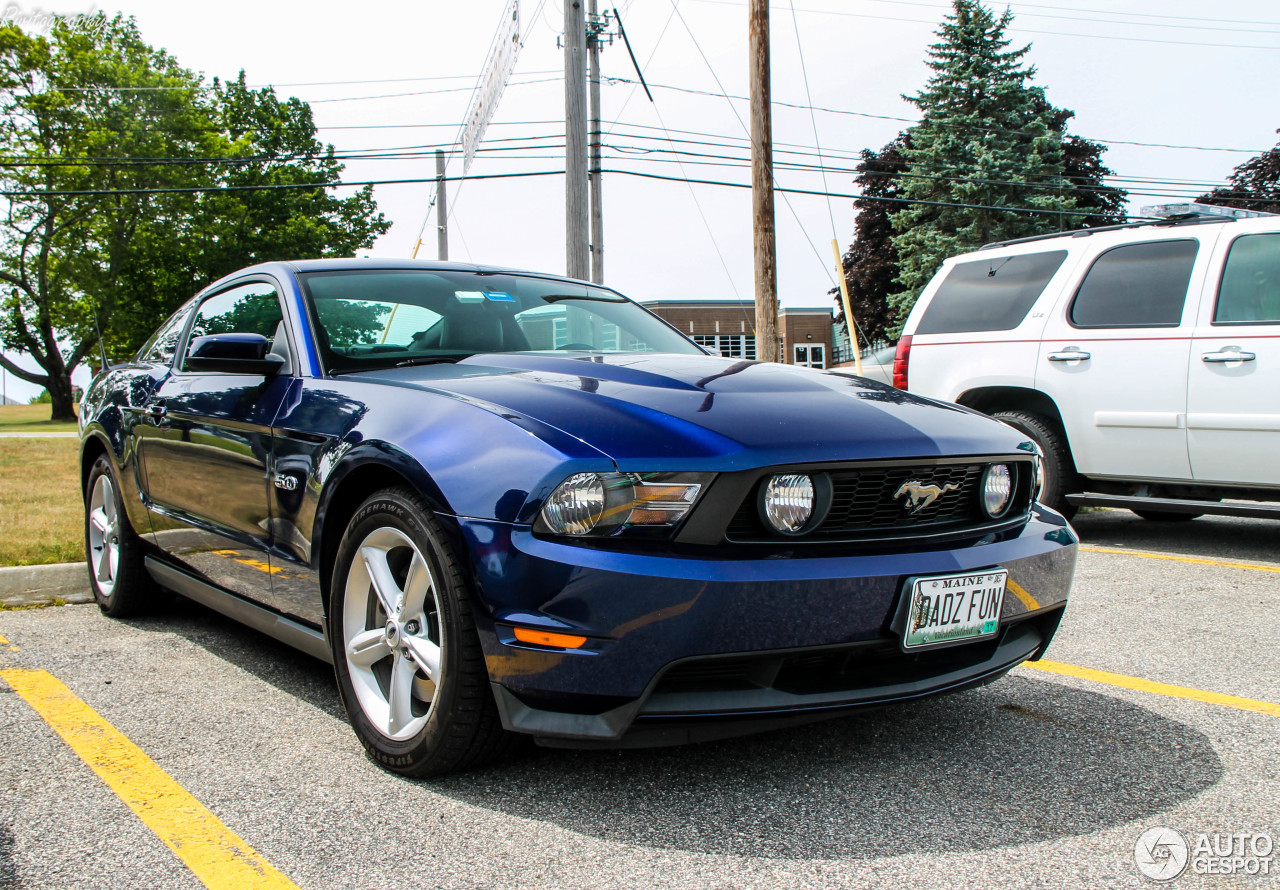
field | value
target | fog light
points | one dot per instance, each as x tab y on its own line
788	502
997	490
576	505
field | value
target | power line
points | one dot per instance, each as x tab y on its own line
1018	28
745	129
913	121
1160	15
529	174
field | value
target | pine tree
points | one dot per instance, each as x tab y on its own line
988	139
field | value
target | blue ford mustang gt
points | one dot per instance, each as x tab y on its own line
505	504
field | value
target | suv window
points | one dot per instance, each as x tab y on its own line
989	295
248	309
1136	286
1250	291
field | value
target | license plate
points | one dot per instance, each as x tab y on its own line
954	608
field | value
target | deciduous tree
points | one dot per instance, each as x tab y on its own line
118	167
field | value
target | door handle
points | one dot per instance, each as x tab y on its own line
1228	354
157	411
1069	354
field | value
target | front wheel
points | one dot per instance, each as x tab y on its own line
1058	471
409	666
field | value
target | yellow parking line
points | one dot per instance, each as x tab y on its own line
217	856
1257	567
1025	598
1141	685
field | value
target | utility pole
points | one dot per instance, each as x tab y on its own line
765	245
577	233
442	210
595	31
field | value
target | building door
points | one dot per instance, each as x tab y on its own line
810	355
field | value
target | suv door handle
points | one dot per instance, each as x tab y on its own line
1229	354
1069	354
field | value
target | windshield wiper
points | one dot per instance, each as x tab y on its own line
430	360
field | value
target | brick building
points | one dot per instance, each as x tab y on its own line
729	326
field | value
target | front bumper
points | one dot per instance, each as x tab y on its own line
685	648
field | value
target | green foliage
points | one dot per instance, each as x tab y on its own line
1255	185
989	140
871	263
43	399
92	110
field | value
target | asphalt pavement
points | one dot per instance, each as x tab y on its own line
1039	780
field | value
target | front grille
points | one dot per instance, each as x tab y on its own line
865	504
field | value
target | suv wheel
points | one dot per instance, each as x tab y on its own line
410	670
1058	469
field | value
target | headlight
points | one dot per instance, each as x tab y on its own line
997	490
576	506
787	502
613	503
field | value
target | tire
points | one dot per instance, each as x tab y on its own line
1166	516
409	666
113	551
1058	470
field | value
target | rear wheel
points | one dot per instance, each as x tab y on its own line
408	661
1058	470
117	575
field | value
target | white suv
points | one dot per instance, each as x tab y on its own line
1143	359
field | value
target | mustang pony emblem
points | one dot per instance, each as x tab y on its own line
920	496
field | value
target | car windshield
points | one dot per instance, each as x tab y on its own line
379	318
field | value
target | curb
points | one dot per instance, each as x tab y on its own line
41	585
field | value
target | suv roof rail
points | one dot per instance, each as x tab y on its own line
1187	220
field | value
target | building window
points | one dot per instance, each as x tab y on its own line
811	356
729	345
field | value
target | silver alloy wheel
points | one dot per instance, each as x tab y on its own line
104	535
392	634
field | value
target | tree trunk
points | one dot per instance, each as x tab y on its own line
63	398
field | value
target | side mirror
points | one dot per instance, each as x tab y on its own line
233	354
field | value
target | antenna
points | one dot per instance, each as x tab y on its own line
102	347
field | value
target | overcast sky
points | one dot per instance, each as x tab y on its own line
1182	91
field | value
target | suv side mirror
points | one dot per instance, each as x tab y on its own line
233	354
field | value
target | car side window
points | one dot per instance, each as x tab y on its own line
1250	289
163	344
248	309
1136	286
991	294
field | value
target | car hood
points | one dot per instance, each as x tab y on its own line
662	411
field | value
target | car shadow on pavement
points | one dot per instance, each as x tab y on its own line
1212	537
307	679
1021	761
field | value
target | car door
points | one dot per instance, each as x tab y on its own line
205	446
1233	386
1114	355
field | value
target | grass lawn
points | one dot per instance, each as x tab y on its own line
41	508
31	419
